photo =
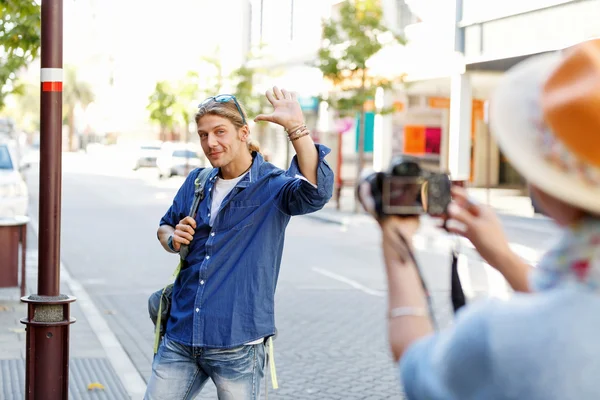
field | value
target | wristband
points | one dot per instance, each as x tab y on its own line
408	312
170	244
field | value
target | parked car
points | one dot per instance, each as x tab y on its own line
177	160
14	195
146	155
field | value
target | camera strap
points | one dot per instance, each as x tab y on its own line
423	284
457	294
456	290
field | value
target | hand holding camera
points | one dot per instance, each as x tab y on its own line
480	225
405	190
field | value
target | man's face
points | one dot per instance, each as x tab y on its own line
221	141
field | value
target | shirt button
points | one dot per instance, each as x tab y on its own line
197	310
207	257
208	215
202	282
212	234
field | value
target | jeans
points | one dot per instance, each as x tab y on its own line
180	372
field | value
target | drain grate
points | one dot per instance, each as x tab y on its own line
83	371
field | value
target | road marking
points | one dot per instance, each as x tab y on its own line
350	282
118	358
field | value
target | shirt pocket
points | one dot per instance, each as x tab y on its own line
241	214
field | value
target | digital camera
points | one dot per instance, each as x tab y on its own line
407	189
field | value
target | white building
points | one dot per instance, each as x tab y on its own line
457	51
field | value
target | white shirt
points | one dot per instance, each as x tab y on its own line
221	190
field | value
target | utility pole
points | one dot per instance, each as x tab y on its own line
48	315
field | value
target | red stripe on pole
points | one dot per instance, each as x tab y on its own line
52	86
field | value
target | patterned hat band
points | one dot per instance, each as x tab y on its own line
559	155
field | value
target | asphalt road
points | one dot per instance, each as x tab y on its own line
330	305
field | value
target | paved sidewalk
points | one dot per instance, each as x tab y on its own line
89	362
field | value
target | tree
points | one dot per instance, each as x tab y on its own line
243	79
20	30
75	92
186	100
348	42
26	110
161	105
211	75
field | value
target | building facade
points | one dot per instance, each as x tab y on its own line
494	36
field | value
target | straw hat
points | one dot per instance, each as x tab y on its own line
545	116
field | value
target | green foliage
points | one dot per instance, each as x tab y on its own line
20	27
161	105
75	92
348	42
186	95
243	80
211	79
26	110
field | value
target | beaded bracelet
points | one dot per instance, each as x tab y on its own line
290	132
298	133
298	136
408	312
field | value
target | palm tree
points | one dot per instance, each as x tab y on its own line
75	92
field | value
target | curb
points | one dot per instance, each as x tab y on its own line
130	377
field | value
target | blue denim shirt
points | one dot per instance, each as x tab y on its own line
224	297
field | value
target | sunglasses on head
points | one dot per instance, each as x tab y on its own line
225	98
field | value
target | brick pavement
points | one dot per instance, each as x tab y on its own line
88	362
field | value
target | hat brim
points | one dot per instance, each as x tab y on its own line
515	109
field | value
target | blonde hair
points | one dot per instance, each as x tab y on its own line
229	111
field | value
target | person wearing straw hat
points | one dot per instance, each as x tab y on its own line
543	342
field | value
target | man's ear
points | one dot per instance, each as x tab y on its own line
244	133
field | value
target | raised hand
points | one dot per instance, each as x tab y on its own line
286	109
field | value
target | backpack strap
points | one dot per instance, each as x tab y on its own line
200	183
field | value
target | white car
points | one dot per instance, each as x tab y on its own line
146	155
177	160
14	196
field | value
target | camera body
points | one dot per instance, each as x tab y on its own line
406	189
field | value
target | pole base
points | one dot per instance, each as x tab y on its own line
47	354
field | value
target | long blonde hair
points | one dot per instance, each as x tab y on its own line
229	111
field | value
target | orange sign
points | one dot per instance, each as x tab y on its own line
398	106
438	102
369	105
414	139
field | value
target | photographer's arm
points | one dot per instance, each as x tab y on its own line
482	227
513	268
404	285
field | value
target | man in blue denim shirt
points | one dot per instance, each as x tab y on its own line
223	298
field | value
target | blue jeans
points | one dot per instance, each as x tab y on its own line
180	372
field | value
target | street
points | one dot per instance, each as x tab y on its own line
331	303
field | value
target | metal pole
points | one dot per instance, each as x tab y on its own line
48	315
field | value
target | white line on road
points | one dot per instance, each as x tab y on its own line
120	361
350	282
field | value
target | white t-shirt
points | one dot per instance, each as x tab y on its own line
220	191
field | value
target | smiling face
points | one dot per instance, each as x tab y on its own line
221	141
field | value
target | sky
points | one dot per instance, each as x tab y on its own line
139	42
